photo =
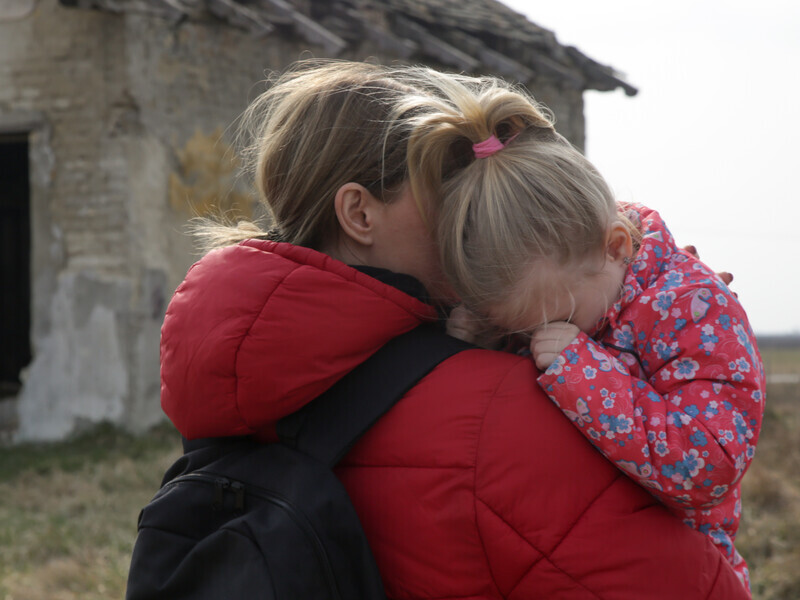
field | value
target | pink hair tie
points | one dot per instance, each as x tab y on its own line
489	146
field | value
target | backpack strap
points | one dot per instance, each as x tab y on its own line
330	425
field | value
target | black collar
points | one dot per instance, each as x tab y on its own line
405	283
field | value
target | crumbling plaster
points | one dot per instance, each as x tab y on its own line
109	102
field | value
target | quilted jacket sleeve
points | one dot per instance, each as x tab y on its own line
688	431
559	521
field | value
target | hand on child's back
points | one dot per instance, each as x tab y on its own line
463	324
549	341
470	327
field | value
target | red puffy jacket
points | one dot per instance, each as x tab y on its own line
473	486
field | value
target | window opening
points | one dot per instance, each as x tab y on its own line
15	262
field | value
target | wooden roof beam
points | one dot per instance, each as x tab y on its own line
602	78
496	61
242	16
124	6
435	47
383	38
311	31
545	64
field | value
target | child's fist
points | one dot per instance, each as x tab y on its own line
549	341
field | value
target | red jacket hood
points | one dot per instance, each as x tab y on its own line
257	330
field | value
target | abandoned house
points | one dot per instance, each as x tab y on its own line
115	129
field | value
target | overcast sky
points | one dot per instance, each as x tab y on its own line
711	140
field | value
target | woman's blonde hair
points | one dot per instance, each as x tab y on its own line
318	126
538	197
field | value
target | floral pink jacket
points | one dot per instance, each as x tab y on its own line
670	387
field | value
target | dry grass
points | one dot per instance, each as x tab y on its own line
68	511
769	537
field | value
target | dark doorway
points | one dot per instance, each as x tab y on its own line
15	261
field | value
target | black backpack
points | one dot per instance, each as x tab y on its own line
238	519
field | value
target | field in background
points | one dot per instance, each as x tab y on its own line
68	511
769	537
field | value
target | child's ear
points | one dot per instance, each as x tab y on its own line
619	244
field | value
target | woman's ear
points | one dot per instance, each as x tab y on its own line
355	208
619	244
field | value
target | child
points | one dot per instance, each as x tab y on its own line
640	344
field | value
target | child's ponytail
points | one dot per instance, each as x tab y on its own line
509	187
468	112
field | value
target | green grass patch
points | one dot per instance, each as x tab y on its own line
102	443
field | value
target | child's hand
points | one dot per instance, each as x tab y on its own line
464	324
726	277
548	341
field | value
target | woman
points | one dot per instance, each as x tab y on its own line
449	497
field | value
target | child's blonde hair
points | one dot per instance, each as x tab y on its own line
320	125
538	197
